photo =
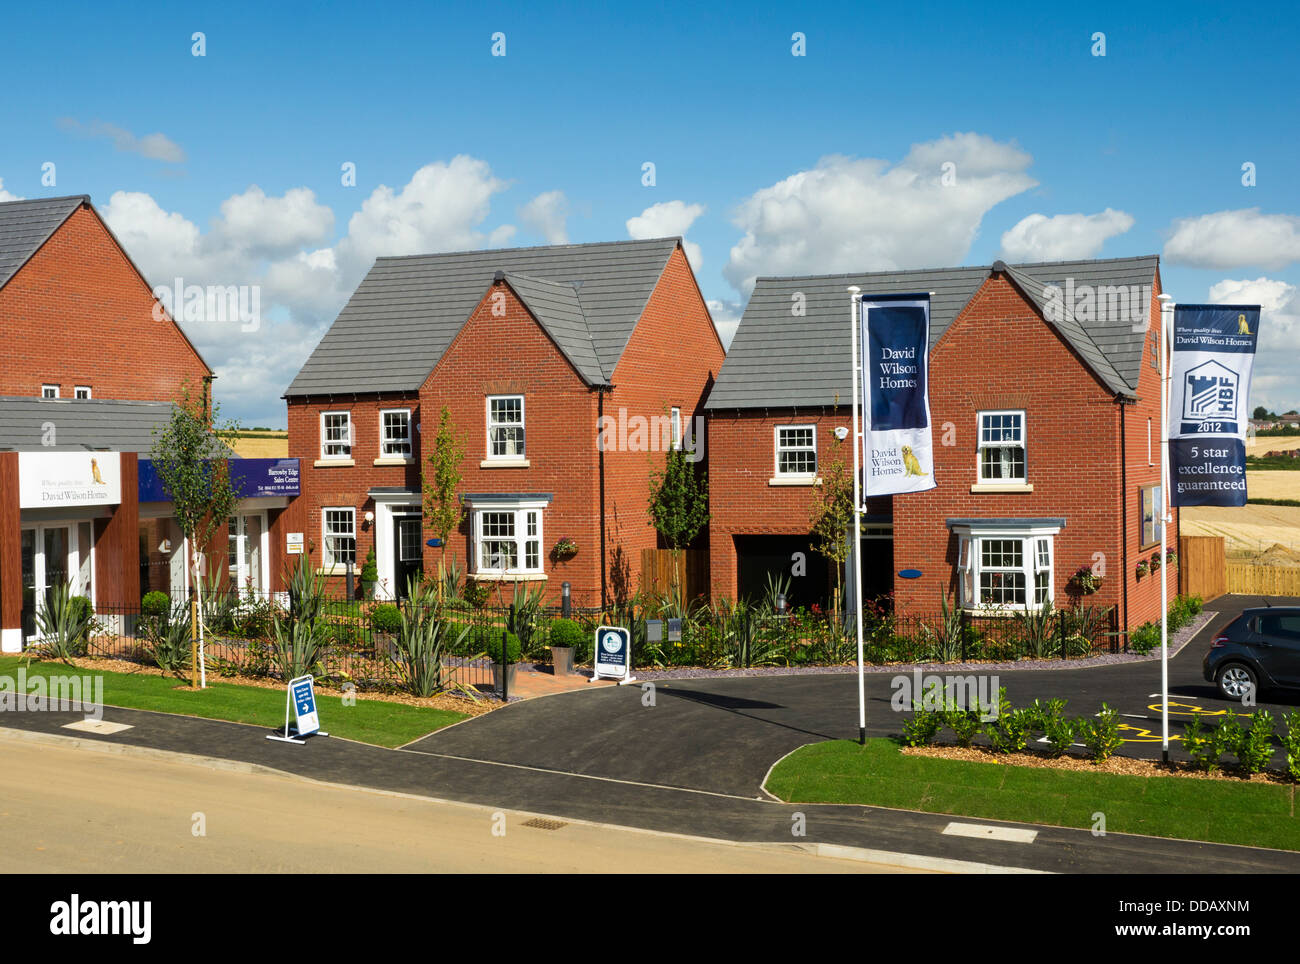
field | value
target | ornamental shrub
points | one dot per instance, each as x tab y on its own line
566	632
493	647
921	728
386	618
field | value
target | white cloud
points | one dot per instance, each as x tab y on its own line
669	219
1235	239
273	226
5	195
157	147
440	209
545	215
283	245
851	214
1275	384
726	318
1063	237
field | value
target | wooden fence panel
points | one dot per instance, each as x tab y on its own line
1263	580
662	569
1202	567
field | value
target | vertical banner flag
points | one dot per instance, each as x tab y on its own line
894	338
1213	353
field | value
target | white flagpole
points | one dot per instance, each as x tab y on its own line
857	510
1166	320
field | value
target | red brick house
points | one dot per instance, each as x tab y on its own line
87	371
529	349
1044	395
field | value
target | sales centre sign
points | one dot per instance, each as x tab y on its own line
52	480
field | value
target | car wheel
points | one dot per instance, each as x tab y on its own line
1235	680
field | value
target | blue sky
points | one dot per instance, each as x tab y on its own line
225	168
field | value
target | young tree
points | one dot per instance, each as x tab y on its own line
679	500
442	509
832	517
192	461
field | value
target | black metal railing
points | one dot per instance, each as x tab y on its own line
362	645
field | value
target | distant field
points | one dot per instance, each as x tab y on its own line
1273	484
261	445
1251	528
1261	444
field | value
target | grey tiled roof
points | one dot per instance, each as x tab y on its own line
78	425
558	306
26	225
404	314
782	360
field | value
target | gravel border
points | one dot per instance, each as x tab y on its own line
1176	643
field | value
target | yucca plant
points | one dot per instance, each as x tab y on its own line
1037	629
64	624
167	638
945	640
777	585
750	641
301	636
526	609
422	640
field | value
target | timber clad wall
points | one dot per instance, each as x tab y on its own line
78	313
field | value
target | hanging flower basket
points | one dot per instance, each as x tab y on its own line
1143	568
565	549
1084	582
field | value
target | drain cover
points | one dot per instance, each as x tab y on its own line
541	823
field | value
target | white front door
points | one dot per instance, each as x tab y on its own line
244	552
50	559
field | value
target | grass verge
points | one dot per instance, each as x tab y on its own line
368	721
1219	811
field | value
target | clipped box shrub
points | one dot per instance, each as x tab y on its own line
386	618
566	632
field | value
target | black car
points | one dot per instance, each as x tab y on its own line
1259	649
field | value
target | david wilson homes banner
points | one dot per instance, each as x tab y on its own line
894	339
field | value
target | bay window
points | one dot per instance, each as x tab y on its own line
507	535
1005	566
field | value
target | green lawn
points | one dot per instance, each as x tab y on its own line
368	721
879	775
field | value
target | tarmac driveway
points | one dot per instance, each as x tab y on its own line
722	734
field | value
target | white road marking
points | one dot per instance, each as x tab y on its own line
987	832
97	726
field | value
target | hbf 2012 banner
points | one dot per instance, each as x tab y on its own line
1213	354
894	338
